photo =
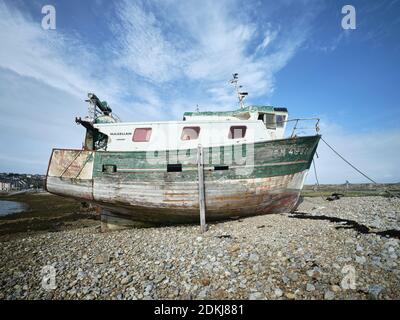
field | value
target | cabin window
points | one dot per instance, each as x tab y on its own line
237	132
142	135
190	133
269	120
280	120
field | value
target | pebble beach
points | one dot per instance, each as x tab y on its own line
343	249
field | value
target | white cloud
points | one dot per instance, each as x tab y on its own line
141	47
269	36
31	51
54	58
156	47
216	39
34	119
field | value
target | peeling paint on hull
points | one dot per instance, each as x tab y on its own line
148	193
223	200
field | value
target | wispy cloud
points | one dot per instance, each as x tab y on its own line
213	43
30	51
163	50
141	46
269	36
171	50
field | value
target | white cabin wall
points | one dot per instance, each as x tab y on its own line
167	135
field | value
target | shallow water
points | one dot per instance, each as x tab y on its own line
10	207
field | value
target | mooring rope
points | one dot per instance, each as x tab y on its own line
315	173
358	170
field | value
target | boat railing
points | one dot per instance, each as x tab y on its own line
296	123
299	121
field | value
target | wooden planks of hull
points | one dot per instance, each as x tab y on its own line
145	191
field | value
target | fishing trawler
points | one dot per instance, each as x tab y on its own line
228	163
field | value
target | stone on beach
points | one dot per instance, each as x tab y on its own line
294	256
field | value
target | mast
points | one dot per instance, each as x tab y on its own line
97	108
241	95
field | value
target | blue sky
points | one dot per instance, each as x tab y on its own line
153	60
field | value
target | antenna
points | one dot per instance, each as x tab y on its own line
241	95
91	108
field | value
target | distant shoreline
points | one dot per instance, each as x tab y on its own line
45	212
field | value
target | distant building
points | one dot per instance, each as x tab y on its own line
5	186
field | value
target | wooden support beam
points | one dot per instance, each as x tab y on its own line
202	206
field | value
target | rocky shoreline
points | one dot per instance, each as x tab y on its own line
344	249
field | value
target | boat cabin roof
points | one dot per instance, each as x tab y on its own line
242	114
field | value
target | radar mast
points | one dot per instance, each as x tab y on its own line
240	94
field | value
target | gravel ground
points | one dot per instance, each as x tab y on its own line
344	249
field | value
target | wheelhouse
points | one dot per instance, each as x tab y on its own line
209	129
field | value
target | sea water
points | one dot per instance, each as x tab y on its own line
10	207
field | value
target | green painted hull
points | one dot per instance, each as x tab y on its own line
243	180
271	158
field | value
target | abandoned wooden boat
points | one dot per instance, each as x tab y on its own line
149	172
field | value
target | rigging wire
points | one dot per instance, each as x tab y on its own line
337	153
359	171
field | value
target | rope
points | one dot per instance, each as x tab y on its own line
316	178
359	171
315	172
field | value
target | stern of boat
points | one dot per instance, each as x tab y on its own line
70	174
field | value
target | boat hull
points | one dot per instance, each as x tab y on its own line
267	178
